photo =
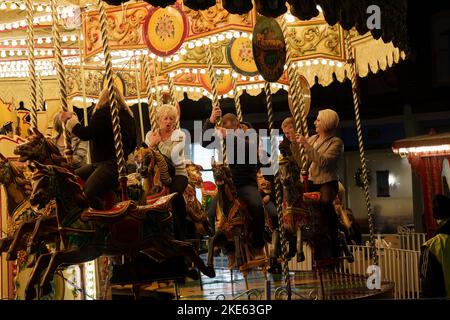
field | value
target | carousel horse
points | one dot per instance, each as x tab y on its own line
302	213
22	216
155	171
127	229
296	213
18	190
194	209
41	149
233	225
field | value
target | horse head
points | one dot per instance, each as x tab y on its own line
143	159
11	173
53	182
153	168
41	149
194	174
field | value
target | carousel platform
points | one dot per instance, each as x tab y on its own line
230	285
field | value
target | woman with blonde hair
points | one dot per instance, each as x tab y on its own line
170	142
102	175
323	151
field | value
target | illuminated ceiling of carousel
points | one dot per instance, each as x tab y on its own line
133	26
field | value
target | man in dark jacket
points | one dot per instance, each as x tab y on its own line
435	257
243	166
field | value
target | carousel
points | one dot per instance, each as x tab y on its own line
59	55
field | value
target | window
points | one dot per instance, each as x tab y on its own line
203	157
383	183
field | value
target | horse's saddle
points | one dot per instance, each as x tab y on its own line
115	212
128	208
155	197
311	197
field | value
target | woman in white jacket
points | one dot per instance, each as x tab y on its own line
170	142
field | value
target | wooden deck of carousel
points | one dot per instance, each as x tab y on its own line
230	285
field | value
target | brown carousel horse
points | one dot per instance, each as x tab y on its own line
127	229
232	226
302	217
155	172
42	149
18	190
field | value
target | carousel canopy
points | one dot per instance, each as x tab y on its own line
138	29
348	13
424	145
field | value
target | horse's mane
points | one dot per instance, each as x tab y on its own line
51	146
19	174
70	180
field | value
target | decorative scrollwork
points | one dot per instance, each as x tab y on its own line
307	40
124	28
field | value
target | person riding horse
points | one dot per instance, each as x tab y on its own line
102	175
323	151
243	172
170	142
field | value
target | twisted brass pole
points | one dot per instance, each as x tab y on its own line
138	93
237	99
297	101
41	92
120	157
83	82
61	77
157	92
215	95
31	62
148	89
278	189
355	91
173	100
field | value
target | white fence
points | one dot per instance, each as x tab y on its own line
400	266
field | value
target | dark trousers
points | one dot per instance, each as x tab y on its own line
100	178
252	198
327	246
179	184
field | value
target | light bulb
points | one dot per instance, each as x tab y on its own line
13	6
3	6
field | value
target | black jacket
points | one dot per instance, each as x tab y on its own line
100	134
243	174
